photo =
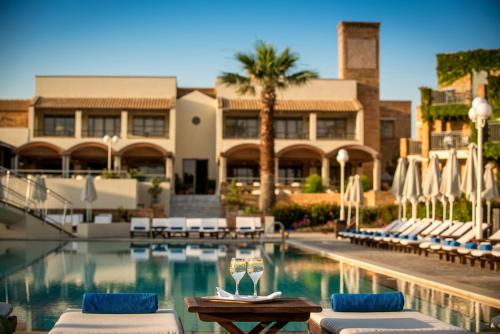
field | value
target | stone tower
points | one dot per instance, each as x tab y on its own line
359	60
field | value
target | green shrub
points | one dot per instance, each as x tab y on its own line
365	182
251	210
313	184
233	195
109	174
155	189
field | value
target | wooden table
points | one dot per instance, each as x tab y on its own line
275	314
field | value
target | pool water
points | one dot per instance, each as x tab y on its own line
44	278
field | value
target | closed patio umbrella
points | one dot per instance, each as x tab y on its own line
451	180
426	198
411	190
347	197
490	192
469	182
89	195
398	184
432	185
357	196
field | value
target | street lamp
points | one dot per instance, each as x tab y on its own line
479	114
109	141
342	158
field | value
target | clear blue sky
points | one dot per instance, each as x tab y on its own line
195	40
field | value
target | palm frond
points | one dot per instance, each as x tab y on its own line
300	78
243	84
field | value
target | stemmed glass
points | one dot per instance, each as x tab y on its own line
255	269
238	269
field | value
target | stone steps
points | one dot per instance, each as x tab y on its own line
195	206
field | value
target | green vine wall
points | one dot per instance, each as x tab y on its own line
443	111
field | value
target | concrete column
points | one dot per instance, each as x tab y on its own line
123	124
222	169
403	147
325	171
169	168
376	174
78	124
276	170
15	164
31	123
313	120
117	164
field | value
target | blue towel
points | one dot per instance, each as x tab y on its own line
119	303
470	245
365	302
485	247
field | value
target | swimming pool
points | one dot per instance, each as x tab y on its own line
43	278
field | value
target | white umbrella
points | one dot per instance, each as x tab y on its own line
469	182
426	184
432	183
398	183
451	180
411	189
348	198
490	192
357	196
89	194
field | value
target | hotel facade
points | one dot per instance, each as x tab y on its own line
199	139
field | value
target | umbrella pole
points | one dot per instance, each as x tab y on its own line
433	210
357	216
414	210
473	218
488	213
444	210
349	214
451	211
399	211
427	213
404	210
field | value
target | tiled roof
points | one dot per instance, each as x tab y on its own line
292	105
14	105
181	91
105	103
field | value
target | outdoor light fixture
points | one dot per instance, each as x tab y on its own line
342	158
479	114
109	141
448	141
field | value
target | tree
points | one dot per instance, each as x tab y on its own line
265	71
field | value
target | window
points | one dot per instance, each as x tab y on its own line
387	128
58	126
290	174
148	126
98	126
333	128
290	128
241	127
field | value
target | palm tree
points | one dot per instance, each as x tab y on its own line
265	71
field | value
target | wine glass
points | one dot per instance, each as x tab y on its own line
255	269
238	269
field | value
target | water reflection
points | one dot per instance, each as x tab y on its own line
42	279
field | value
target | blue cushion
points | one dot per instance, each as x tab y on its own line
385	235
366	302
139	228
244	228
176	228
120	303
413	237
435	239
470	245
453	243
485	247
403	237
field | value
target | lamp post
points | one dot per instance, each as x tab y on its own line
109	141
479	114
342	158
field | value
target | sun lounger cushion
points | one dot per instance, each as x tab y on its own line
406	321
485	247
120	303
367	302
77	322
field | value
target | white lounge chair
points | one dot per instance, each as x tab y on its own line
329	321
73	321
177	226
140	225
209	226
245	226
103	218
223	228
159	226
193	225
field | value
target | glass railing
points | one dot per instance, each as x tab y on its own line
451	97
414	147
447	140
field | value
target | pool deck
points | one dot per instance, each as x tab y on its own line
482	285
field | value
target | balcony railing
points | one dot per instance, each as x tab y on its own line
240	133
337	135
292	135
99	133
451	97
152	133
54	132
494	131
414	147
447	140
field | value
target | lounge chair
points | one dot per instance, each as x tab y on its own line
406	321
259	230
177	226
75	321
209	226
103	218
448	247
193	225
409	234
245	226
223	228
140	225
159	226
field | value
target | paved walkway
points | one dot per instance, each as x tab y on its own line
479	284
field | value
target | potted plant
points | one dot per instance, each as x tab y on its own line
155	192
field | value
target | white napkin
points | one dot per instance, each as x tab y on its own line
221	293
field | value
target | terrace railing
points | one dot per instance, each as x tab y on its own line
451	96
340	135
18	191
70	132
81	173
414	147
446	140
494	131
292	135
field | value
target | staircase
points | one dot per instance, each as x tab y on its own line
195	206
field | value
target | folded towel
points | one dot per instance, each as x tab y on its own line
485	247
470	245
365	302
224	294
120	303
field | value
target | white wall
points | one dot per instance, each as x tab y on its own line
14	136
